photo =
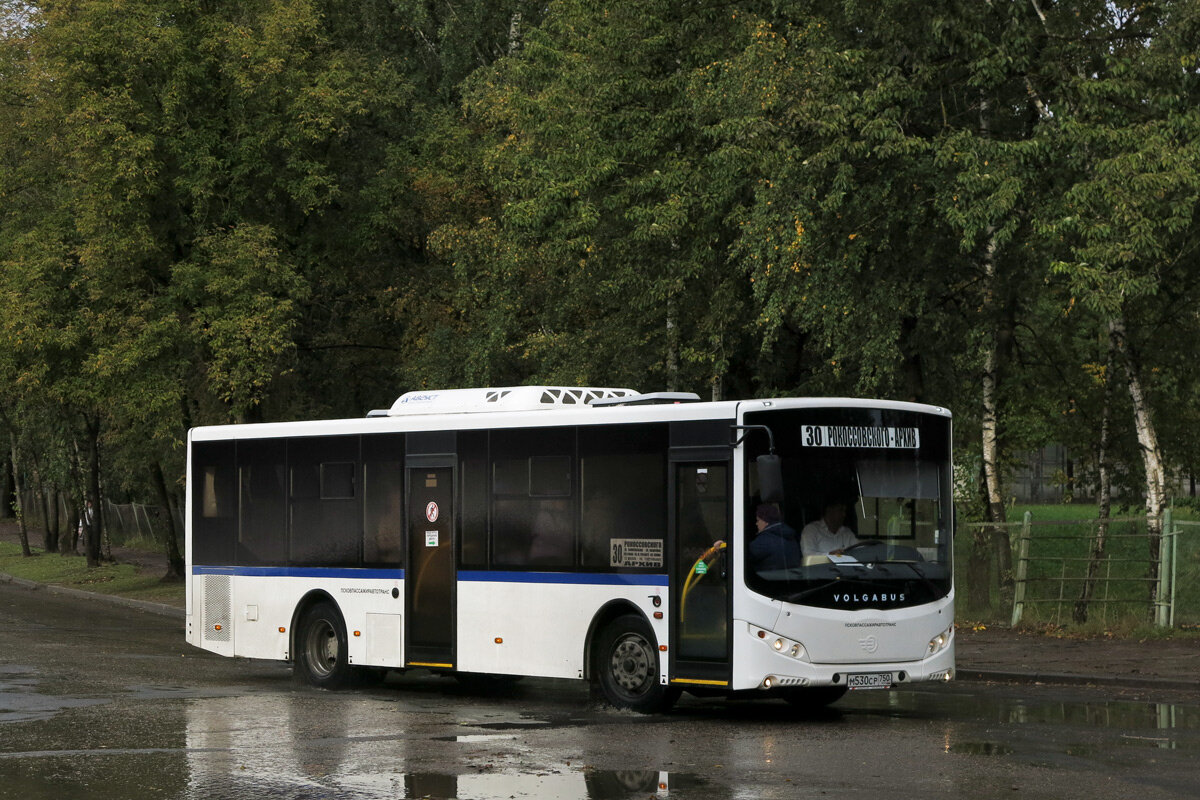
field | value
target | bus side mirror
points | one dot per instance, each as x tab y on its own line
770	478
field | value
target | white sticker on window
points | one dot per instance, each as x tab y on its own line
860	436
431	538
636	553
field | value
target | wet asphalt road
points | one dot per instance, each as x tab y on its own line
101	702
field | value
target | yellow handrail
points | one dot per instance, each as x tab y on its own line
708	557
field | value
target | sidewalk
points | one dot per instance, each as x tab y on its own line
993	654
1002	654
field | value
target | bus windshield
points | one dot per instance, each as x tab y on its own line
865	516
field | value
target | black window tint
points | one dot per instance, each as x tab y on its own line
383	500
325	528
214	503
623	496
550	476
337	480
473	471
262	483
532	529
510	476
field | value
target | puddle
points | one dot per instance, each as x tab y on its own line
980	748
1115	715
1160	742
473	738
571	784
21	702
568	785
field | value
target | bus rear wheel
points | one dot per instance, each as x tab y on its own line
627	667
322	658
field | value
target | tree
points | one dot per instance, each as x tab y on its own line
1131	213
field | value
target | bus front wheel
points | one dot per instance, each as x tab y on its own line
322	658
627	667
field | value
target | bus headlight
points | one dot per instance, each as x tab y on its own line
939	642
780	644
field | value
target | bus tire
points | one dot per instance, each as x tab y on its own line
322	649
813	697
627	667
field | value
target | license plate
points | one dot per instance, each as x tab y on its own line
870	680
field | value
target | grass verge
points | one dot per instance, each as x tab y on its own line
123	580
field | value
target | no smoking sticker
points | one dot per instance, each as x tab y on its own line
431	512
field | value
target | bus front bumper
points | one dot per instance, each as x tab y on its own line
762	665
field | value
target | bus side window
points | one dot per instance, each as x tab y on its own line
214	501
324	509
532	501
383	500
623	496
262	521
473	488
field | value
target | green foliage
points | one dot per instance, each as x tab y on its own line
223	211
72	572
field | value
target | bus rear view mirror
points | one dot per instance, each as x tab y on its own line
770	478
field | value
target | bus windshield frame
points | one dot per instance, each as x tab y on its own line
882	477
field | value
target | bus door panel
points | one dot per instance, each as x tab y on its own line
430	578
700	565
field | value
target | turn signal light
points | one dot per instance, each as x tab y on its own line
358	633
499	640
283	630
216	627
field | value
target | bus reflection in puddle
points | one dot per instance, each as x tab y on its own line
251	746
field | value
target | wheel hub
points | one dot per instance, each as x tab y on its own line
632	663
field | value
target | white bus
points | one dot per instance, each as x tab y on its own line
595	534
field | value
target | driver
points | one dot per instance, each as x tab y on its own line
774	546
827	535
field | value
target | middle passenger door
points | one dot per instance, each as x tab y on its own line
431	578
700	522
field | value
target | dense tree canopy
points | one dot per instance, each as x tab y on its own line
217	212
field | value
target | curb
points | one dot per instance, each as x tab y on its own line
1001	676
140	605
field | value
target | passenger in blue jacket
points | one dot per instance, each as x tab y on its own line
776	545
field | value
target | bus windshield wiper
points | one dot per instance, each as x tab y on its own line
920	573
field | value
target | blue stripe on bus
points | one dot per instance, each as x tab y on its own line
303	572
574	578
594	578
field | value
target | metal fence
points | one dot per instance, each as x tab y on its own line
1053	561
123	522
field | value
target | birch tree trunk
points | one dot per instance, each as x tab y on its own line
1147	436
1100	541
997	535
